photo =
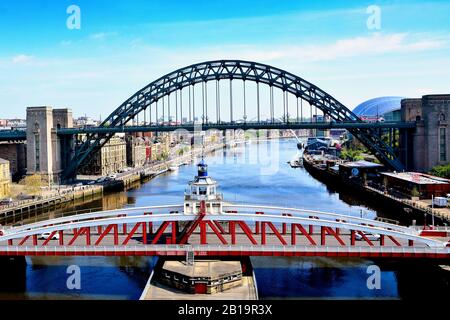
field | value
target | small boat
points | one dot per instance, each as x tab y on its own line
173	168
296	163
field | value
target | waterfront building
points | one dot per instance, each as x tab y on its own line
85	122
416	184
111	158
16	154
137	151
5	179
380	109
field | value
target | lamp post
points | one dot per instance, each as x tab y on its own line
432	207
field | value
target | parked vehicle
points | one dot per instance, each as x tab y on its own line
45	236
6	201
440	202
370	236
112	176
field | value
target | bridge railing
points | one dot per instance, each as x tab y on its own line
251	218
205	249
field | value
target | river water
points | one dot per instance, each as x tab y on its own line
255	173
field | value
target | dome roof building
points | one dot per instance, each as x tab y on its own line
381	108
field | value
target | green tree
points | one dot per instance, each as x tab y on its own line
441	171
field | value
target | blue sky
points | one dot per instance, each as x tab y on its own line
123	45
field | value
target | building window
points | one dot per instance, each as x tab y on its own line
37	151
442	117
442	144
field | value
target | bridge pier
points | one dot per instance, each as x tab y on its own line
47	153
13	273
429	144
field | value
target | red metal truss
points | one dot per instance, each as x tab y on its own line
216	231
219	226
23	240
365	238
257	223
327	230
49	238
150	224
303	231
160	231
394	241
143	226
108	230
247	231
274	230
311	227
77	233
192	225
284	229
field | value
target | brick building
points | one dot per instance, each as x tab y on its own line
111	158
5	178
16	154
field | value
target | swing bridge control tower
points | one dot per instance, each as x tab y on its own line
216	278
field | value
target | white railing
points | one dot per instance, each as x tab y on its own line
199	249
411	234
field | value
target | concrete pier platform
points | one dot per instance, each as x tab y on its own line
159	290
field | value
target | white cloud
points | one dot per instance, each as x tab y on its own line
21	58
101	35
376	64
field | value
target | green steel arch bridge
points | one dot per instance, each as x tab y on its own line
163	107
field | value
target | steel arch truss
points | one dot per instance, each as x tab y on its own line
233	69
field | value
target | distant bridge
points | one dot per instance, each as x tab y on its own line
144	103
240	230
161	106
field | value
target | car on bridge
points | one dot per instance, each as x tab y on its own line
46	235
370	236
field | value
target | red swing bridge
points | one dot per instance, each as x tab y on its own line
207	226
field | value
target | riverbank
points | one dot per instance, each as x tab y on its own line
60	196
405	210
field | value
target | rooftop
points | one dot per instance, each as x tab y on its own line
416	177
378	106
203	269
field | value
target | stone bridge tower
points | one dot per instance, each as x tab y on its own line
429	144
47	154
